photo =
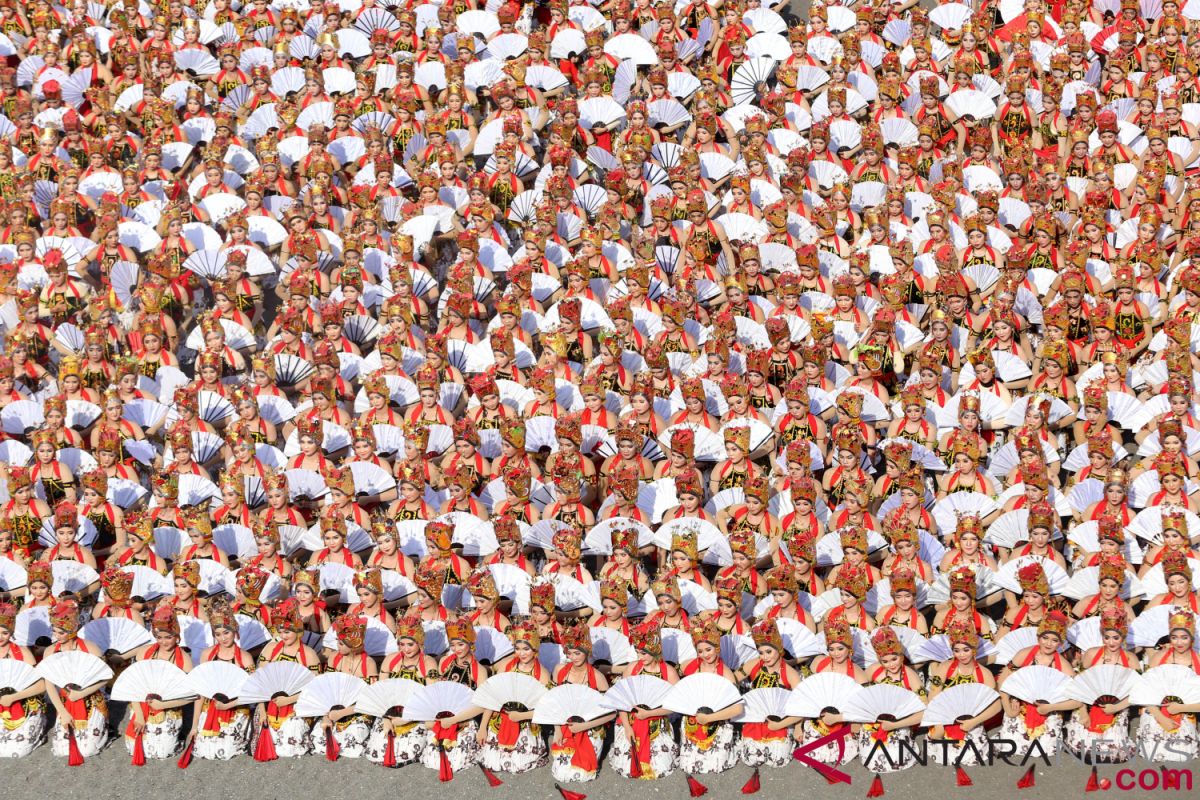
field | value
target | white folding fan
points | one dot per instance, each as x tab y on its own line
701	691
74	668
17	676
195	635
277	679
213	679
491	645
385	697
765	705
33	627
236	540
798	640
1015	641
677	645
1036	684
153	678
324	693
882	701
639	691
73	577
1102	683
251	633
1007	576
569	703
437	701
938	648
501	692
1154	686
957	703
148	584
825	690
611	646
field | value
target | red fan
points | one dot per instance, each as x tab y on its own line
139	751
264	750
185	758
753	785
1106	40
74	757
492	780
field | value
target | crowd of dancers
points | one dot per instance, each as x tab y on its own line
645	387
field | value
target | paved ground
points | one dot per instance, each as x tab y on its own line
110	775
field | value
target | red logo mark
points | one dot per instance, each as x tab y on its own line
830	773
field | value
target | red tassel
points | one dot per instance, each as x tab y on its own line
696	787
569	795
753	785
1093	783
74	757
963	778
1027	780
876	789
264	750
332	748
445	771
139	752
389	757
492	780
186	758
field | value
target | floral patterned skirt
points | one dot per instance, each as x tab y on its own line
19	738
160	737
766	752
91	734
663	752
527	753
1156	744
462	753
351	735
408	742
968	752
290	736
707	748
1048	736
1109	746
561	768
882	754
232	738
842	751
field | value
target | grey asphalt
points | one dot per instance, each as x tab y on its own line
110	775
